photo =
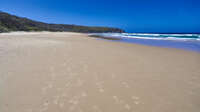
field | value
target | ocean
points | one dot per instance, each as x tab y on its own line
181	41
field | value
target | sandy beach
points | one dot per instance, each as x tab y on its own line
72	72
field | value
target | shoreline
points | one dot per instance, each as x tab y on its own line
181	45
138	42
114	39
53	71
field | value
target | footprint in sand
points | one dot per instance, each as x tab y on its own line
83	94
74	100
125	84
100	86
101	90
116	99
48	86
136	102
127	106
135	99
46	103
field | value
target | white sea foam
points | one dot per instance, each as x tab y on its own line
178	37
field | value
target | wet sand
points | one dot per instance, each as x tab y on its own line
71	72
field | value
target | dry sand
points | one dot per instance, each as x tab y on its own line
71	72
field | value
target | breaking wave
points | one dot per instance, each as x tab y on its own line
178	37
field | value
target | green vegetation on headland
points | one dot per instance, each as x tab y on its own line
10	22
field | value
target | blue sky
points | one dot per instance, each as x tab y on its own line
131	15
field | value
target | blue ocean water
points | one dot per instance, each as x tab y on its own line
181	41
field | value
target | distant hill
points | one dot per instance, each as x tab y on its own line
10	22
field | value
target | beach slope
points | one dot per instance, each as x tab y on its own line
71	72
